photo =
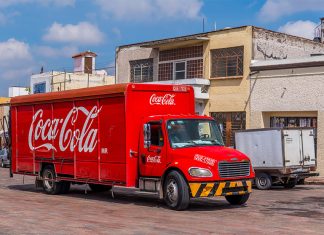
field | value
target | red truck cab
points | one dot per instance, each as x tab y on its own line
132	135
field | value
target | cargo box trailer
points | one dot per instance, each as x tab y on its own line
133	135
279	156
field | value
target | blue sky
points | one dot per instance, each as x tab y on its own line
36	33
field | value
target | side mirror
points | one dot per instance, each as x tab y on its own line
147	135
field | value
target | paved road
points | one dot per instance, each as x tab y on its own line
26	210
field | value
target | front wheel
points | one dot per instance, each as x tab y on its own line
263	181
176	191
237	199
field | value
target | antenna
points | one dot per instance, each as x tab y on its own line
203	24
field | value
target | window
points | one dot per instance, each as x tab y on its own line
156	134
141	70
227	62
229	122
40	88
179	70
284	122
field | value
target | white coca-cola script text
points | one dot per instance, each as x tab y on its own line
167	99
45	131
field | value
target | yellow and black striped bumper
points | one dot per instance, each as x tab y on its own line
225	188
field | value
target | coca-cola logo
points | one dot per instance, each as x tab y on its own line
84	139
167	99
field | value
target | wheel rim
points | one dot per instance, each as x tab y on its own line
49	180
263	181
172	191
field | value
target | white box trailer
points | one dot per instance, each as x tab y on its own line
279	156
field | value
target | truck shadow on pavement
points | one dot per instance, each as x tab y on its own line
130	196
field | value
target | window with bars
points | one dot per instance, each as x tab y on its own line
141	70
179	70
284	122
229	122
227	62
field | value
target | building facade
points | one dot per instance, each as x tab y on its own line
84	75
217	64
289	94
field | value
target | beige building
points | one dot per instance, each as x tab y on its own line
216	63
289	93
4	114
84	75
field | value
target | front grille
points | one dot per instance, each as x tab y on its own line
233	169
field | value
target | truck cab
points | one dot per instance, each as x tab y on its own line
183	157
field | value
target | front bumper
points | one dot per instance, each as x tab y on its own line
221	188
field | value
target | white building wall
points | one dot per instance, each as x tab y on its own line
59	81
289	92
270	45
17	91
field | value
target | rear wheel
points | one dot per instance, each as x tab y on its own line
237	199
291	183
99	187
263	181
49	184
176	191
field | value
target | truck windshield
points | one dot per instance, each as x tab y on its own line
193	132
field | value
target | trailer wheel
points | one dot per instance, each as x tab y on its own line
49	184
263	181
291	183
237	199
176	191
99	187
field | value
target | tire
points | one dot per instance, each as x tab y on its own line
237	199
49	184
176	191
301	182
99	187
263	181
291	183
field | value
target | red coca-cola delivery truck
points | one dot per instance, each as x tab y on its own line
133	135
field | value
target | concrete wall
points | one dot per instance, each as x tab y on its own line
289	92
59	81
124	55
269	45
229	94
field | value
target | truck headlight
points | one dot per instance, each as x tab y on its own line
199	172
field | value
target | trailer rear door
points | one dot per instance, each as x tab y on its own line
292	147
309	157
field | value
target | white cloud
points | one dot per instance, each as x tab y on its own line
50	52
151	9
16	64
273	10
81	33
59	3
299	28
13	52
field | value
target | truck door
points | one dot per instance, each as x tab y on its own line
308	143
292	147
152	157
